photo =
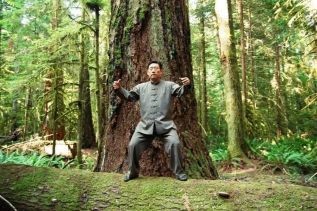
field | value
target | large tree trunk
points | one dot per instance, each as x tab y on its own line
139	33
234	118
86	132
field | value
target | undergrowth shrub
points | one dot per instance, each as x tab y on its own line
33	159
291	154
295	155
41	160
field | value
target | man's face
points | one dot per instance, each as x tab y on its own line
154	72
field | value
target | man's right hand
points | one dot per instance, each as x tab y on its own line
117	84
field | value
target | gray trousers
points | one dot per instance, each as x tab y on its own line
140	142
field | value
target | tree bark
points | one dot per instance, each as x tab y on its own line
236	143
141	32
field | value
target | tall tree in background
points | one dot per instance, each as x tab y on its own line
243	58
251	59
96	6
143	32
236	143
281	119
27	107
104	33
301	17
202	70
54	125
86	132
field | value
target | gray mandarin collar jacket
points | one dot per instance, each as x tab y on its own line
155	105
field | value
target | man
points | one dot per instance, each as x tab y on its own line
155	97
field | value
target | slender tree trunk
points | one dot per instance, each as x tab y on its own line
243	59
236	143
86	133
251	57
1	58
203	106
1	51
15	111
105	102
58	103
104	32
100	110
199	99
315	47
28	106
54	125
281	127
145	31
251	106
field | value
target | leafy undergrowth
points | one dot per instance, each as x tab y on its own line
43	160
36	188
293	155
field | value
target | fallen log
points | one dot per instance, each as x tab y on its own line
63	148
11	138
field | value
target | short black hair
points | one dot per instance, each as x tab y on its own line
155	62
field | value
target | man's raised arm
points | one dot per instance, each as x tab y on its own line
179	90
132	95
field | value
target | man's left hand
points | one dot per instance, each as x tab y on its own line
185	81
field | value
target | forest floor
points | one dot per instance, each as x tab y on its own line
31	188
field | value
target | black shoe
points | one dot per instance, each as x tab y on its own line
129	177
181	177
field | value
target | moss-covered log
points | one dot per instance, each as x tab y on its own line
30	188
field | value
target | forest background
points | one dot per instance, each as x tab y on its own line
54	54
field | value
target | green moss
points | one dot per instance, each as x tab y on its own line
127	29
83	190
118	18
194	169
142	11
134	18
